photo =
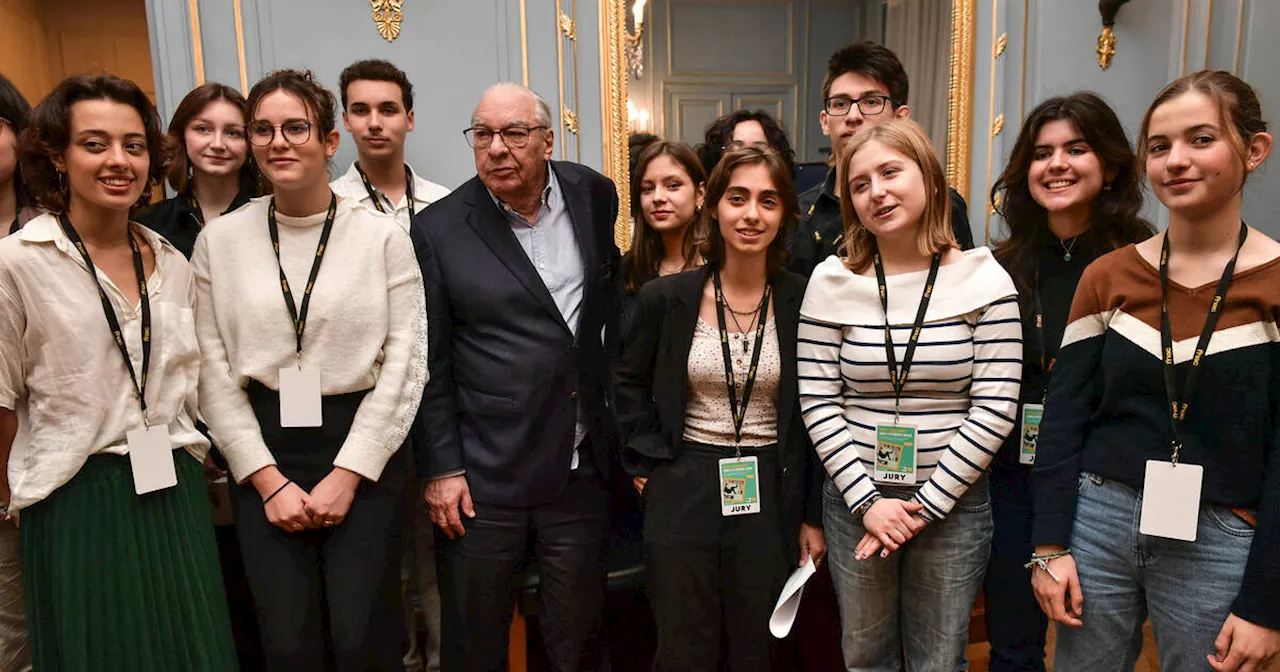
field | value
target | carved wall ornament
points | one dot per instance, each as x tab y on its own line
387	15
1106	48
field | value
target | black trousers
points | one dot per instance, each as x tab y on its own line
710	575
328	596
1015	624
479	574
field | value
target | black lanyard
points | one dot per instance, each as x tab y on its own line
1178	403
300	316
373	193
139	383
899	380
740	411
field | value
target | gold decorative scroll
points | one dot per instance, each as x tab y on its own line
570	120
1106	47
568	27
388	14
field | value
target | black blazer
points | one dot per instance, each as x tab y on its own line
653	387
507	374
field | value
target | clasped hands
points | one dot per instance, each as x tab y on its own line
889	523
293	509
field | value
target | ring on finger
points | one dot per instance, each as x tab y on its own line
297	527
328	522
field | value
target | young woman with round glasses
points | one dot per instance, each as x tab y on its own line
312	324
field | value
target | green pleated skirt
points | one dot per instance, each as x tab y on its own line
117	581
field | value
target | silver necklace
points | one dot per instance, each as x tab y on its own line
1066	249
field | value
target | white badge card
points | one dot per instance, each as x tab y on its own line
896	454
1031	414
739	486
300	397
1171	500
151	458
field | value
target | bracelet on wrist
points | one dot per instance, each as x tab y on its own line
286	484
864	507
1041	561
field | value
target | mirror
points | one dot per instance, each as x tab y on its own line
691	61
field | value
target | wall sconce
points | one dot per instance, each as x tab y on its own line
637	118
1107	40
635	48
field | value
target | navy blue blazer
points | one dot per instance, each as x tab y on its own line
507	374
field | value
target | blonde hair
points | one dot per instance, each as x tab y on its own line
934	232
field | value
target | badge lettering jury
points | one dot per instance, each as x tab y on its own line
739	486
896	454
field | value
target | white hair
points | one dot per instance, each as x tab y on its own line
543	114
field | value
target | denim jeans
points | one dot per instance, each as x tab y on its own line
1186	588
919	599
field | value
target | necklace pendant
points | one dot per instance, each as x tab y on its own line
1066	257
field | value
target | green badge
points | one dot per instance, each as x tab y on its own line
1031	414
739	486
896	454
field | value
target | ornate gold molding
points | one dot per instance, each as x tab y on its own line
613	111
959	93
997	125
1002	44
239	16
388	14
197	48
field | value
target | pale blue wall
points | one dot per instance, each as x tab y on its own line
451	49
1060	38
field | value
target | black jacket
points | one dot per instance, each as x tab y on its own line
507	374
821	228
179	221
653	384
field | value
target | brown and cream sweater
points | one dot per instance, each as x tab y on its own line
1107	411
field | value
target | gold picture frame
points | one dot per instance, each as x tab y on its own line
613	104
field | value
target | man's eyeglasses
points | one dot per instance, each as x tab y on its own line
514	137
295	131
839	106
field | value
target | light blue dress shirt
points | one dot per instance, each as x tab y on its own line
552	247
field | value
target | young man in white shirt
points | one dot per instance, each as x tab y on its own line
377	110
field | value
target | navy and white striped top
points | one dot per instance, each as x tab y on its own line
962	390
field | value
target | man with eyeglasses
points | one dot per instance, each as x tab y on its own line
377	109
865	85
515	435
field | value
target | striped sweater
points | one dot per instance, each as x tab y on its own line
962	390
1107	411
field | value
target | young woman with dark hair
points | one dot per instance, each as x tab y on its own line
310	397
707	402
16	205
907	506
741	128
210	169
1157	485
667	188
1069	195
98	368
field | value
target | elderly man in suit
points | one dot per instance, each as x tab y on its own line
515	435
